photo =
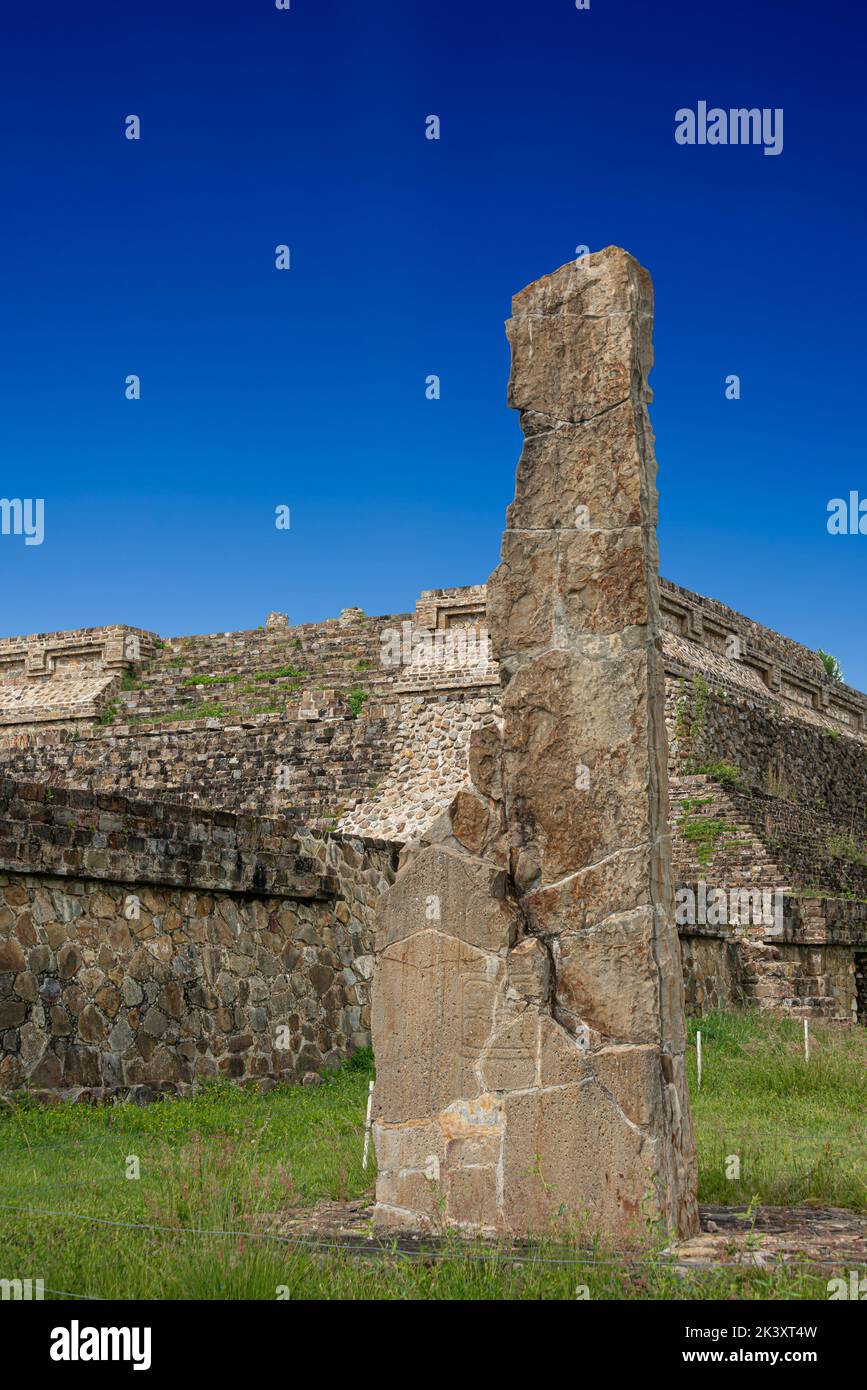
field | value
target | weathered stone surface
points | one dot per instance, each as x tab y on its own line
564	713
580	338
457	895
431	986
470	817
530	968
633	1077
585	898
551	1049
571	1158
553	588
606	978
594	465
11	955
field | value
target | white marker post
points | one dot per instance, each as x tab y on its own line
698	1055
806	1039
367	1125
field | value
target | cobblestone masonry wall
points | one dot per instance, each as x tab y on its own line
796	819
387	773
146	945
739	838
712	972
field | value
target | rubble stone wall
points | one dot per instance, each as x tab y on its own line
712	972
146	944
801	760
792	978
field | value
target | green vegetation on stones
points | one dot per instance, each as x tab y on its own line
281	673
727	774
844	847
109	714
690	713
704	834
356	700
226	679
832	666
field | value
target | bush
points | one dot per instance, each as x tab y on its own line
832	666
356	700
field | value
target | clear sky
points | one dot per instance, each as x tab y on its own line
306	387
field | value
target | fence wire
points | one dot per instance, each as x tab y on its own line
762	1262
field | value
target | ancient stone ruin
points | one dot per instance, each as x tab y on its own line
196	832
528	1018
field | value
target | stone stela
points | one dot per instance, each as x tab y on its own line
529	1033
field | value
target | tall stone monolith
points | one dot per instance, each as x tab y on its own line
528	1019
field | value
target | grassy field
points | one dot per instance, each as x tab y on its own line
797	1127
213	1168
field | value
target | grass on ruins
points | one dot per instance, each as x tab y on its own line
218	1169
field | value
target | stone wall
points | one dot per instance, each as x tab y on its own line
798	759
766	840
770	710
387	772
310	768
430	740
796	981
809	968
713	972
728	648
57	680
147	944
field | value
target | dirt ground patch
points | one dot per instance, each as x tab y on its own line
761	1238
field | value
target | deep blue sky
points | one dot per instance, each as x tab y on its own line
306	387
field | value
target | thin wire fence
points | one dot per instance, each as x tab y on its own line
757	1260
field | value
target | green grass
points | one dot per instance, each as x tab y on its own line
208	709
727	774
281	673
797	1127
259	677
109	714
213	709
232	1161
704	834
226	679
844	847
